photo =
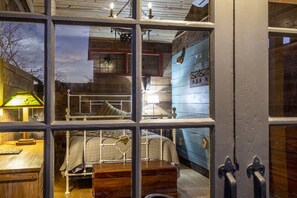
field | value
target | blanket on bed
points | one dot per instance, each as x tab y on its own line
76	152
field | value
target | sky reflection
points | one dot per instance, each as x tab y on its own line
71	59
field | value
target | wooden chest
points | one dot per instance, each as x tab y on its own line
114	179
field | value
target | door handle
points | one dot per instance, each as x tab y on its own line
227	170
257	170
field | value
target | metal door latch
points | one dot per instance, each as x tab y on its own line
257	170
227	170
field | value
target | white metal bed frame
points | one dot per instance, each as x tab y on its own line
117	101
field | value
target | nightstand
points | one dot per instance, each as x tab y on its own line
21	175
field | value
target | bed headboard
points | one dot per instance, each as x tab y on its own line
86	104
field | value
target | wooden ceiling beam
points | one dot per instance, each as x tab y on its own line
30	5
283	1
24	5
19	5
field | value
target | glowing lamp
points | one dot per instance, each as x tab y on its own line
153	99
24	100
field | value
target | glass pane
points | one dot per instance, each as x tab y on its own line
282	76
189	10
36	6
175	74
104	153
98	8
283	14
21	71
283	161
176	162
91	62
21	164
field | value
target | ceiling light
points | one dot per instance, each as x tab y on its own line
111	9
150	15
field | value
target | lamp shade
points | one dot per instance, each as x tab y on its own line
23	99
153	99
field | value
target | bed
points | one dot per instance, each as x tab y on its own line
84	148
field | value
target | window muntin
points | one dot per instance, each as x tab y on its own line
22	70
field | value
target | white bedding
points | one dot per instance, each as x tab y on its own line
76	161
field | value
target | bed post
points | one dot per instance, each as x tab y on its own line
68	102
146	145
67	155
174	130
100	144
85	147
67	163
161	144
79	103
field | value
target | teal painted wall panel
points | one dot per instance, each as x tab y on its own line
191	102
204	162
199	51
192	142
202	97
185	110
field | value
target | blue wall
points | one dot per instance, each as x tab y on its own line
191	102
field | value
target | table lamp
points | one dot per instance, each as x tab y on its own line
24	100
153	99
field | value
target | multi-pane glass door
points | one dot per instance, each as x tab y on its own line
282	86
131	82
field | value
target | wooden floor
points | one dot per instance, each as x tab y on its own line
190	184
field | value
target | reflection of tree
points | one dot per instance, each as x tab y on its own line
14	41
60	76
11	37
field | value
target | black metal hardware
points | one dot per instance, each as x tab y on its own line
257	170
227	170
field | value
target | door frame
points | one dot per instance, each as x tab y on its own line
251	90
